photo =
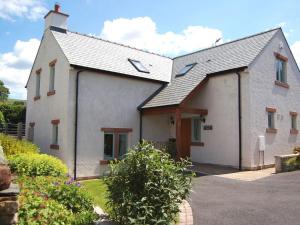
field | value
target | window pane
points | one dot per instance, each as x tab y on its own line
138	65
281	71
196	129
294	122
122	145
55	134
186	69
108	146
30	134
52	78
271	120
38	84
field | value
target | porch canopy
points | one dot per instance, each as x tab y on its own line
178	111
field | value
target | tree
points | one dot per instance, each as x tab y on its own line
4	92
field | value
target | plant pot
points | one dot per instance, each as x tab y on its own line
5	177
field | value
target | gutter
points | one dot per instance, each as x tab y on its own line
76	122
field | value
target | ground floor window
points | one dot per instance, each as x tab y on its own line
115	142
55	133
294	122
30	135
196	129
271	121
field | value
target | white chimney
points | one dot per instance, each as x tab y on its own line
55	18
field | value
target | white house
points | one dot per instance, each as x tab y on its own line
89	99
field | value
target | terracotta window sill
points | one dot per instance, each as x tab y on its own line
52	146
271	130
36	98
49	93
294	131
104	162
281	84
197	144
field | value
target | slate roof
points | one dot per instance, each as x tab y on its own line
231	55
96	53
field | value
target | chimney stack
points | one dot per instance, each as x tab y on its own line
56	19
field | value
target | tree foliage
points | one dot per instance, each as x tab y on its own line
4	91
13	112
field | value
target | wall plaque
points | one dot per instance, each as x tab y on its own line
207	127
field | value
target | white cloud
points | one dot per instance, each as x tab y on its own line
15	66
142	33
296	51
30	9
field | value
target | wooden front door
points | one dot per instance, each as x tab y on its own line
186	131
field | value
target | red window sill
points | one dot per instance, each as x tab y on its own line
105	162
281	84
54	146
294	131
49	93
271	130
197	144
36	98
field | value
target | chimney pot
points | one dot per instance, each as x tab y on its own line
57	7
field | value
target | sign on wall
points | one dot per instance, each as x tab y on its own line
207	127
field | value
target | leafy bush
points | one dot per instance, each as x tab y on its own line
73	201
292	163
36	165
147	187
13	146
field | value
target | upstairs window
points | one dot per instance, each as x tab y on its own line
38	85
138	66
52	77
185	69
281	68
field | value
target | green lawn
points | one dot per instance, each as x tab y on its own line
98	189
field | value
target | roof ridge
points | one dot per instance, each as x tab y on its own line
239	39
116	43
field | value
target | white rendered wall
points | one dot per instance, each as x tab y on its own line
219	97
47	108
264	93
105	101
56	20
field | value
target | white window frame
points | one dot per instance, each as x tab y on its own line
281	76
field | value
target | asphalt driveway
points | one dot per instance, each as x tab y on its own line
272	200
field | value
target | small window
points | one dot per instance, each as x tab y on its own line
271	122
108	145
185	69
196	130
54	134
52	77
123	145
38	85
281	70
30	136
138	66
294	122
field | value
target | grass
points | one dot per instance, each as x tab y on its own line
98	190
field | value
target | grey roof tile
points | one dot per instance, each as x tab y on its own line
231	55
91	52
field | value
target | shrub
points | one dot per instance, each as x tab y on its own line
60	191
13	146
147	187
36	165
292	163
13	113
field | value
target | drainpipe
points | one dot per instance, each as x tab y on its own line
76	122
141	126
240	119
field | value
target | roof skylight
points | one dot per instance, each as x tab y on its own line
139	66
185	69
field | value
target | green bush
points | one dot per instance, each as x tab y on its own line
13	113
147	187
36	165
63	192
292	163
12	146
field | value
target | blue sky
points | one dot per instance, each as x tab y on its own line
167	27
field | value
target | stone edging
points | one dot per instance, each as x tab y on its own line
186	214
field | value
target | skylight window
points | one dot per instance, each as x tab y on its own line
138	65
185	69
